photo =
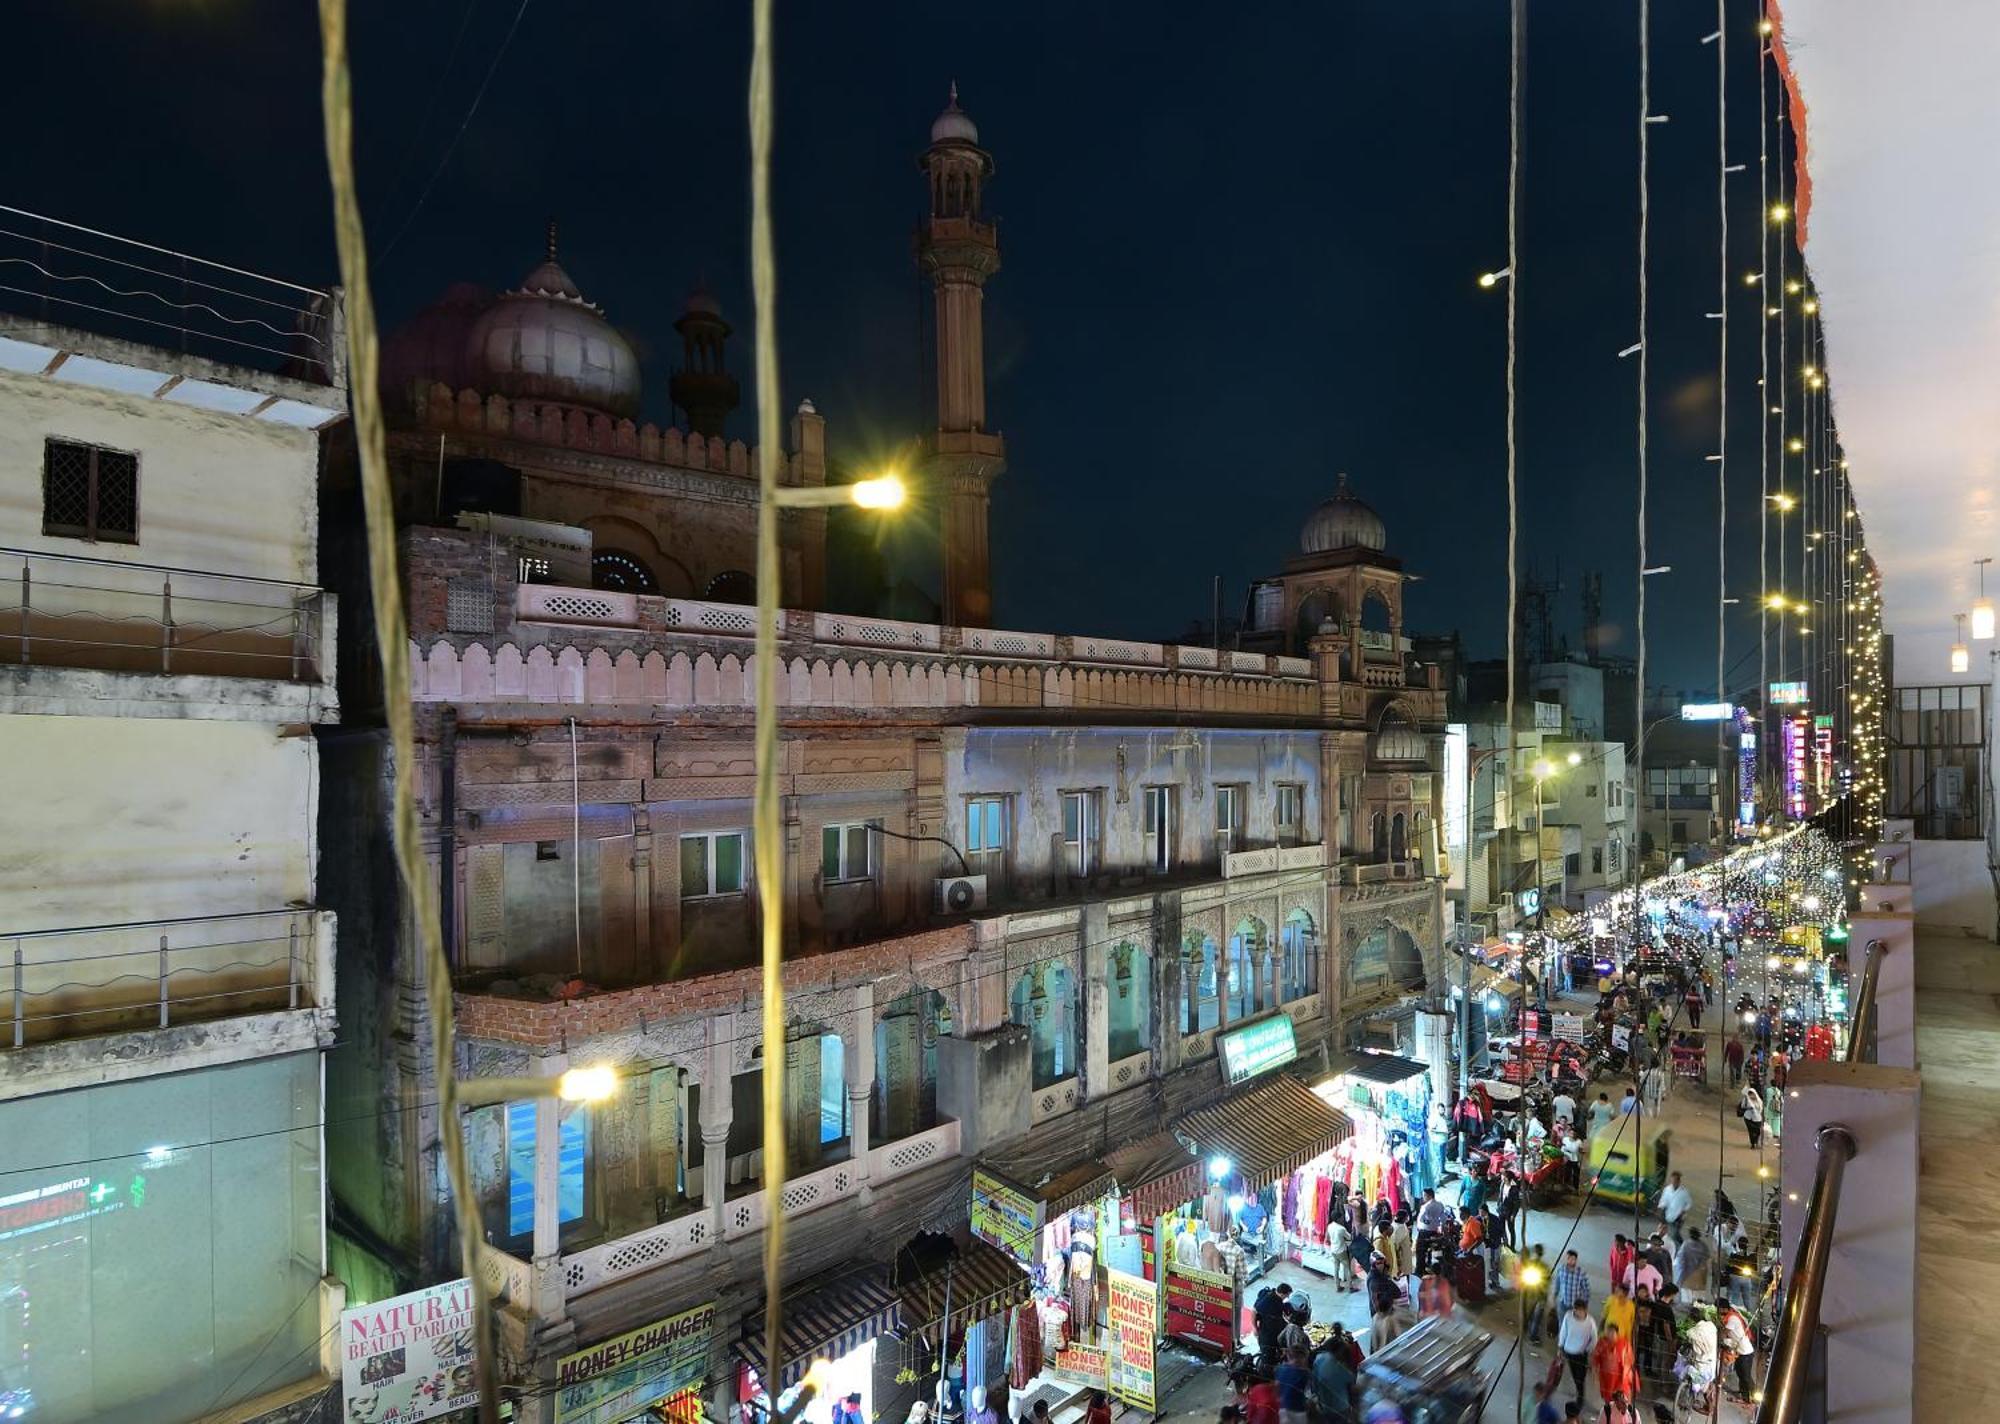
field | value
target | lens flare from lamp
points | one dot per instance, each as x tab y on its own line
588	1085
1219	1167
881	492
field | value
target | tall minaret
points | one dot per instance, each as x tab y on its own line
958	247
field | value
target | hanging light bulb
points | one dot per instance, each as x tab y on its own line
1961	656
1982	609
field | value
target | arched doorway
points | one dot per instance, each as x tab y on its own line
1386	957
1299	941
1201	1001
906	1038
1044	1003
1246	989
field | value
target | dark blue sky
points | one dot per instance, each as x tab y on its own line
1240	249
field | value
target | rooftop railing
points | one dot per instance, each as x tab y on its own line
112	615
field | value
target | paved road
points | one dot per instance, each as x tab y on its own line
1708	1144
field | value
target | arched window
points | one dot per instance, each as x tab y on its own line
1399	842
1128	1020
1375	614
1245	986
1397	739
1299	976
906	1037
1201	1006
1045	1004
621	572
731	586
1378	835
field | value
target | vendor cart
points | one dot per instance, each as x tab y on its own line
1429	1372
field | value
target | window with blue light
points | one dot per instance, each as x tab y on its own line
572	1146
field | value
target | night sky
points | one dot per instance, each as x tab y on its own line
1240	252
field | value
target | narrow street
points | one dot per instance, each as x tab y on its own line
1708	1144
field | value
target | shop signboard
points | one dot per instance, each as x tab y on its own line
1083	1364
1256	1048
1004	1214
1134	1313
1787	694
1567	1027
623	1376
409	1357
1201	1306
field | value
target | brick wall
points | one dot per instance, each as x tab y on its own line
930	956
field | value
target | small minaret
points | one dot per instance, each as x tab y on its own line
959	249
702	386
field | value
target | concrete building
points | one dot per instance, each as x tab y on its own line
165	653
1031	877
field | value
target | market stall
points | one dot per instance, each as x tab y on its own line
838	1320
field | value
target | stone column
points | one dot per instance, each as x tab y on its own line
1895	984
1868	1309
858	1065
1095	928
546	1261
717	1110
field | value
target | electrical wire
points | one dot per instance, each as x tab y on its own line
1639	671
459	134
1764	291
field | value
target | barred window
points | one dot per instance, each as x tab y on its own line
89	492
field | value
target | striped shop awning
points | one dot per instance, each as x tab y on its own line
822	1322
1155	1174
1079	1185
1269	1131
980	1280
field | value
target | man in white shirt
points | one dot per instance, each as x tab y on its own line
1576	1338
1701	1347
1564	1108
1675	1203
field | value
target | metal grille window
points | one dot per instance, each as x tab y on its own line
712	864
89	492
1938	758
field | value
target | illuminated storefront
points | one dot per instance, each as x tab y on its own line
160	1244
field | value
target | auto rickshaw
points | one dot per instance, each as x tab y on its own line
1610	1174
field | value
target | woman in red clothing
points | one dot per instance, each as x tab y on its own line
1616	1371
1623	1254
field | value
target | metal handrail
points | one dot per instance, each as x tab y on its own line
1861	1014
57	556
1785	1387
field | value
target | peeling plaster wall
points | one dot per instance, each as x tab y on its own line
118	820
216	492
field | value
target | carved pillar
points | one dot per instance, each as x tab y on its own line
546	1259
1096	928
858	1065
642	890
717	1110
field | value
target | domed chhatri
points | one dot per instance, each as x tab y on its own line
430	346
954	125
1343	522
544	341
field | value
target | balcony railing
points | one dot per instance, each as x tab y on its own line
110	615
693	1230
64	984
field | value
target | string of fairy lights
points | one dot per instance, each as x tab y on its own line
1826	600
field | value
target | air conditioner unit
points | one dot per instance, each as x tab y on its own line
961	894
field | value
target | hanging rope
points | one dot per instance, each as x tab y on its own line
1517	29
392	644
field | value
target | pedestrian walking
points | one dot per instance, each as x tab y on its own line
1675	1203
1512	1200
1489	1236
1340	1241
1382	1298
1693	1000
1577	1340
1655	1086
1750	1107
1294	1382
1601	1113
1691	1264
1535	1296
1403	1247
1732	1059
1612	1356
1570	1286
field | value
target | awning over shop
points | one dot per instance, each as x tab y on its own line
1379	1067
1155	1174
1080	1185
979	1281
1268	1131
825	1321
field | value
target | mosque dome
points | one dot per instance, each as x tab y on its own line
543	341
430	346
954	124
1343	522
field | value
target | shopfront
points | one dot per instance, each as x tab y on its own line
1390	1151
654	1373
838	1320
1063	1233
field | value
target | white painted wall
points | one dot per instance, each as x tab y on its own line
218	493
1953	888
118	820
